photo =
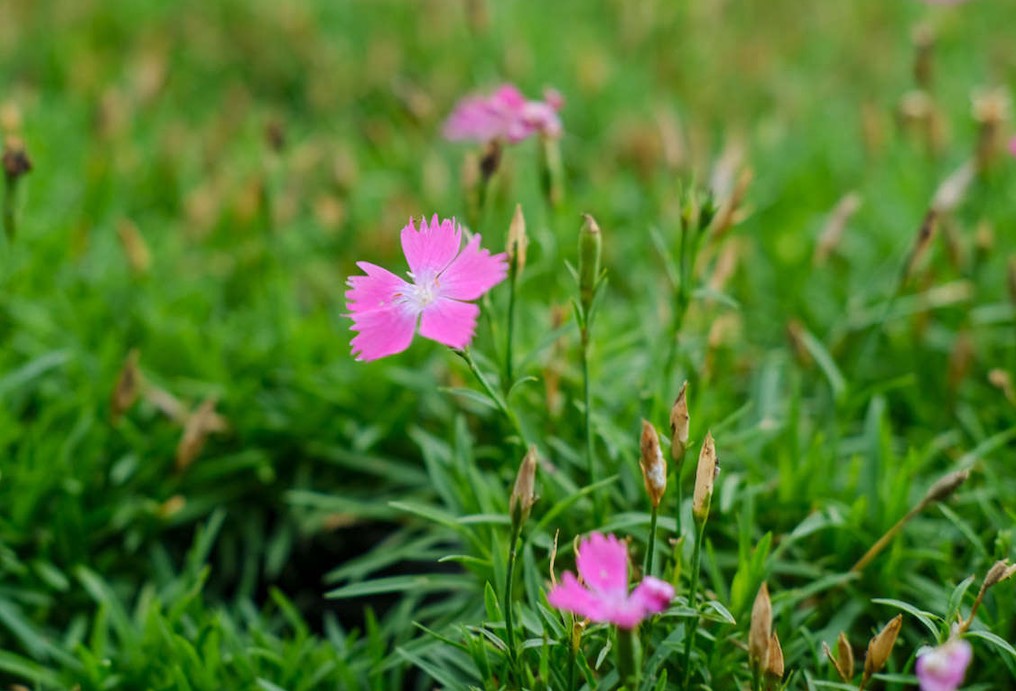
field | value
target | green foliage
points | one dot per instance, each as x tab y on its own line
346	525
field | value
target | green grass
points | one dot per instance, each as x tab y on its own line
350	529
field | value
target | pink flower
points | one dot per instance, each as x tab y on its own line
385	309
602	563
504	114
1012	146
943	668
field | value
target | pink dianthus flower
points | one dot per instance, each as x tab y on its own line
602	562
943	668
385	309
504	114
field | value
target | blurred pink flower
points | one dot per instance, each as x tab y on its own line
943	668
602	562
504	114
385	309
1012	146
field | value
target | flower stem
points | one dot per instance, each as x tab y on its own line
626	667
509	374
572	653
509	624
587	413
652	541
689	641
680	500
498	401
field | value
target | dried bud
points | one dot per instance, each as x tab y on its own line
844	658
774	659
924	45
991	109
138	256
654	467
590	251
128	385
198	426
832	233
953	189
1001	380
945	486
275	135
517	241
705	477
879	648
679	426
999	571
760	630
15	160
491	160
524	493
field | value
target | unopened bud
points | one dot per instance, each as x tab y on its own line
654	467
128	385
945	486
844	658
490	161
925	235
524	493
590	251
517	241
774	660
953	190
15	160
705	478
138	256
999	571
679	426
880	646
760	630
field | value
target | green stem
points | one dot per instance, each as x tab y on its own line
572	653
587	414
509	378
9	221
509	624
626	667
680	500
652	541
689	640
498	401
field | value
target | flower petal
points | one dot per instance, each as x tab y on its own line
449	322
473	272
570	596
603	564
430	249
383	321
652	595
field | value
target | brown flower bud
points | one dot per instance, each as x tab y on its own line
774	662
15	160
760	629
679	423
999	571
945	486
524	493
844	658
198	426
879	648
128	386
654	467
705	477
517	241
134	246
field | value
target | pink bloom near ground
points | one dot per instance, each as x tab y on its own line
386	309
943	668
504	114
602	562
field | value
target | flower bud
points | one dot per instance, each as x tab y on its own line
945	486
844	658
774	660
879	648
998	572
590	250
761	628
523	494
679	426
654	467
517	241
128	386
705	478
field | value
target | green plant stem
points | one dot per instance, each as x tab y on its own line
756	678
572	651
509	373
652	541
509	624
680	500
587	414
9	221
626	667
689	641
498	401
